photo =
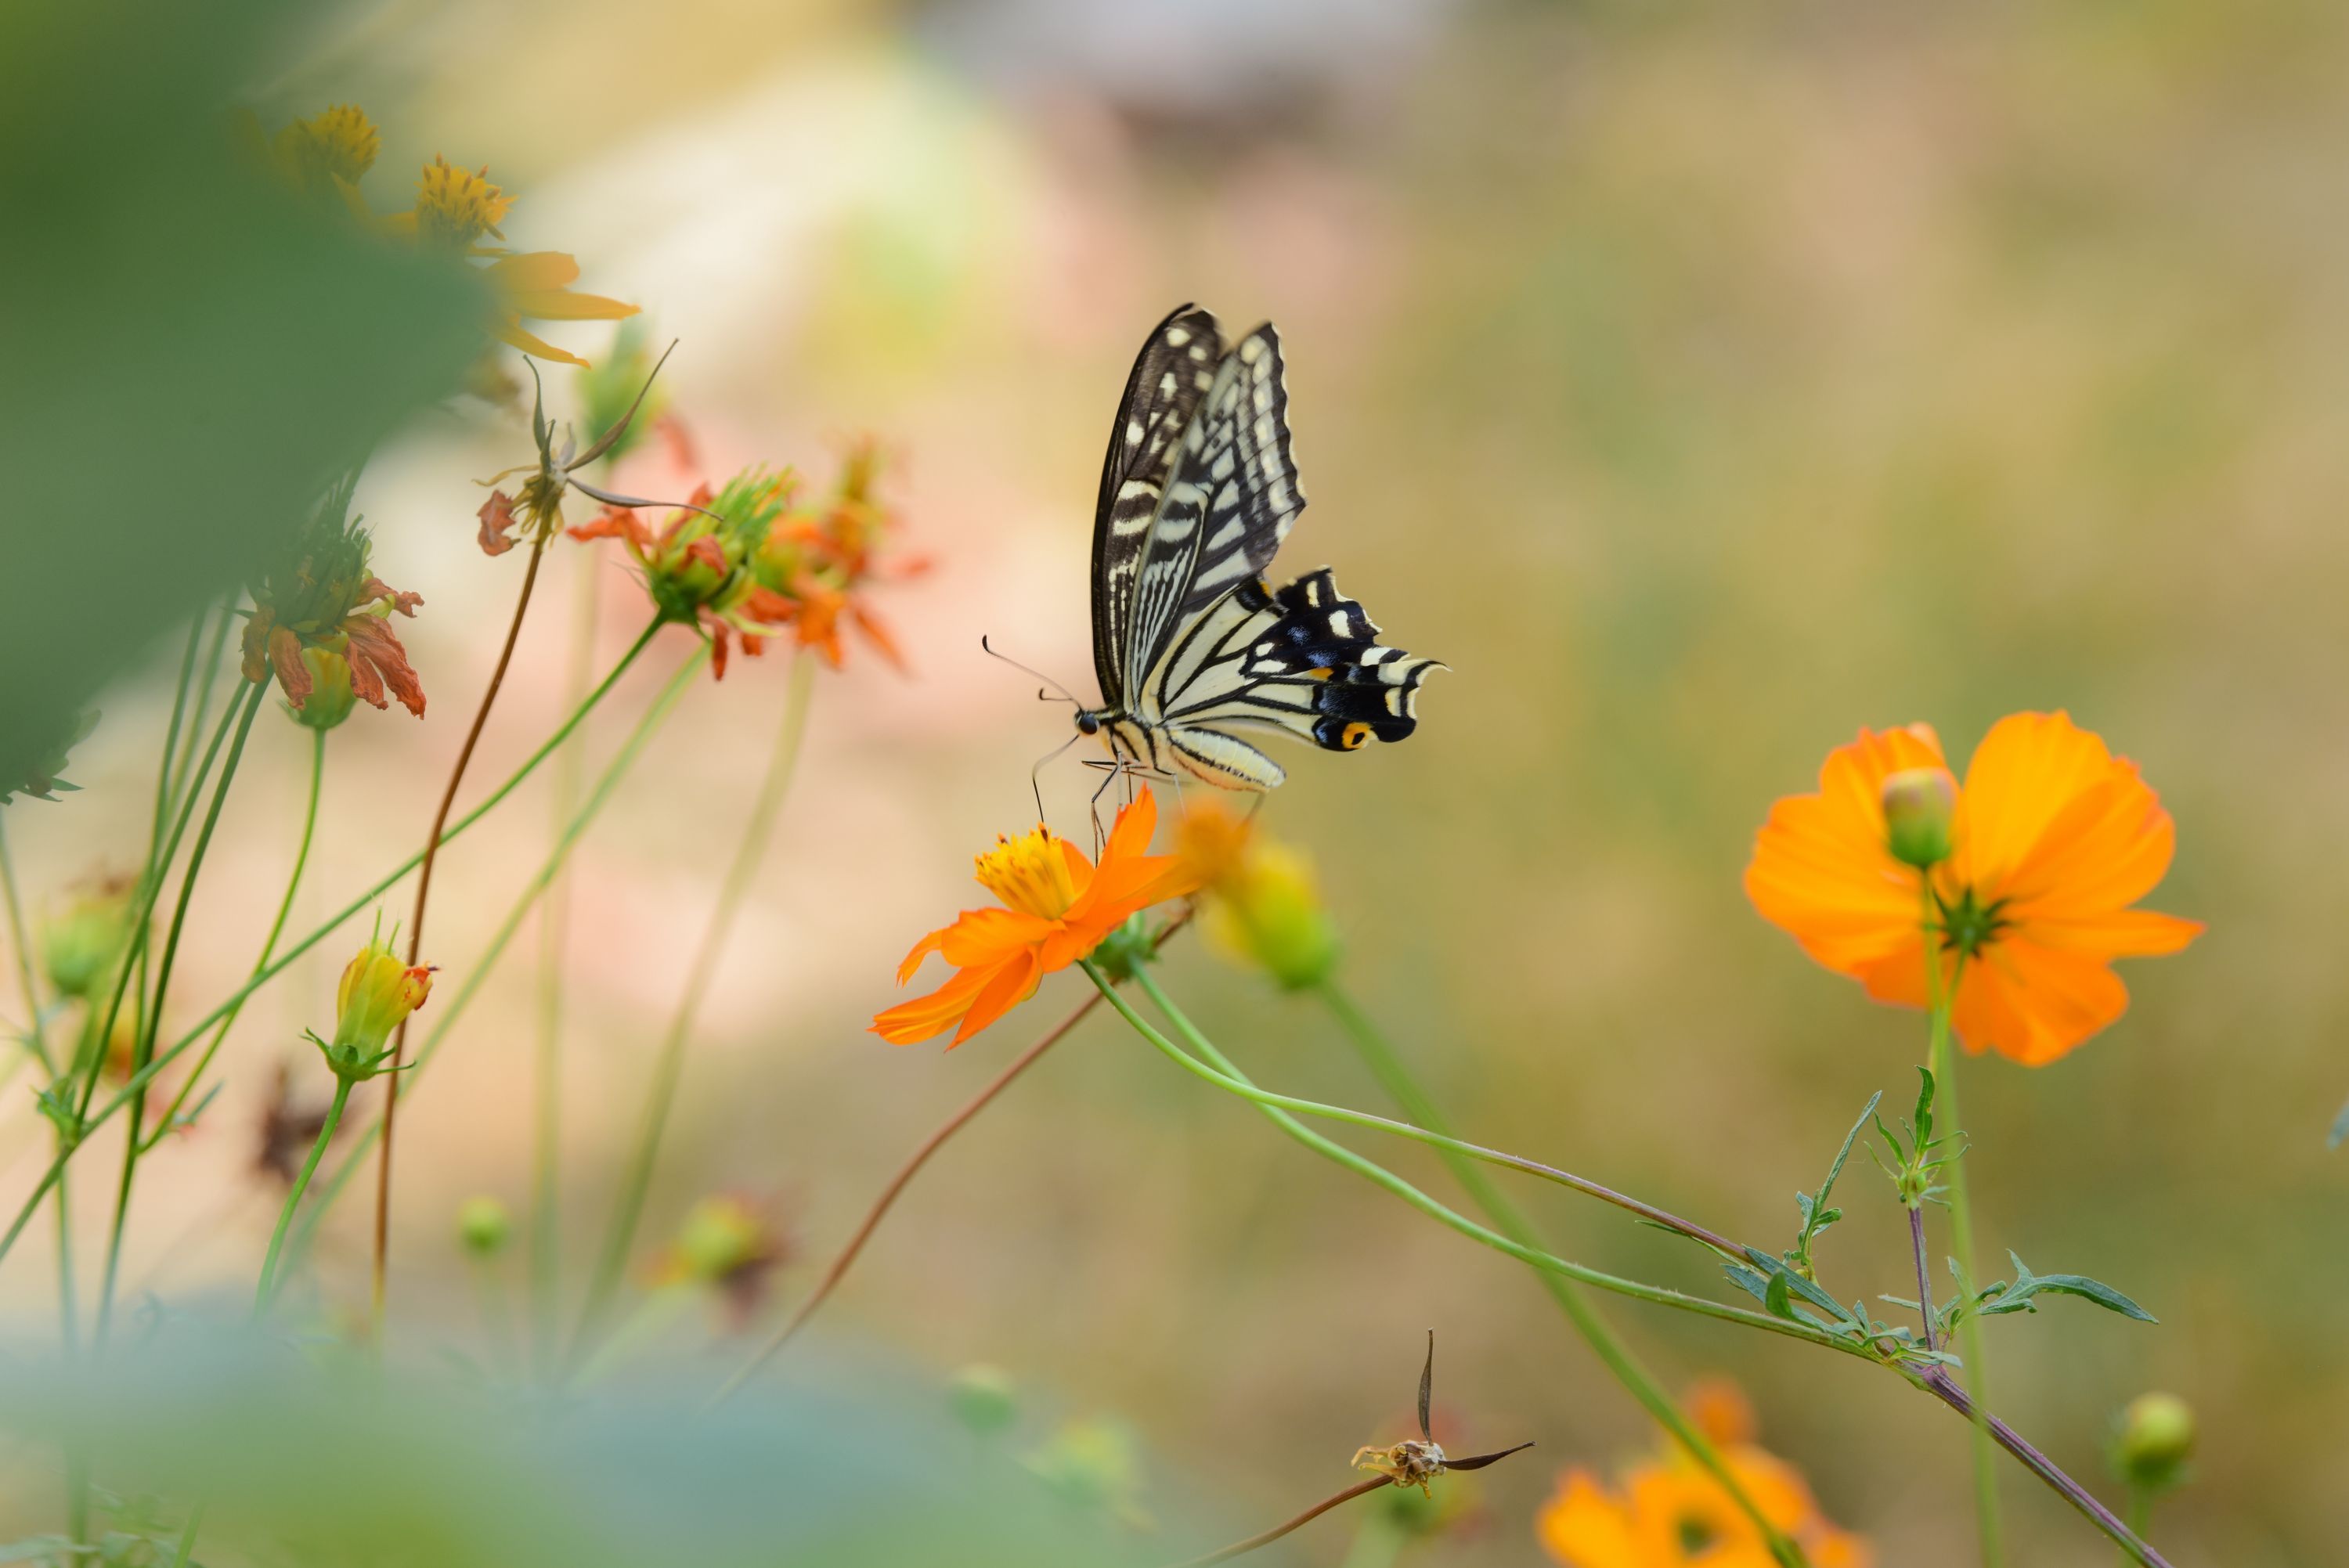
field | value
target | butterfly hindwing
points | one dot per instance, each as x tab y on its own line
1305	661
1171	378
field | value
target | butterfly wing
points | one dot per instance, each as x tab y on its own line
1170	378
1305	662
1230	501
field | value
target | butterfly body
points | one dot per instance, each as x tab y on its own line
1191	641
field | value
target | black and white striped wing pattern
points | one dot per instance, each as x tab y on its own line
1171	378
1230	502
1304	661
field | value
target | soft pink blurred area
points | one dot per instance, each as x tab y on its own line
1700	386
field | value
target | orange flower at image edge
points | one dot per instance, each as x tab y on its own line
2049	842
1670	1514
1058	907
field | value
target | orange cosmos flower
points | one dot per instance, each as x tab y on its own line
1059	907
2041	853
1669	1513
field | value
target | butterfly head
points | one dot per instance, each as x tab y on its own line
1088	722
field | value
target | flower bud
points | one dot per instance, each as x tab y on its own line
1918	803
2154	1440
984	1400
78	948
484	1227
722	1237
330	698
1267	912
376	994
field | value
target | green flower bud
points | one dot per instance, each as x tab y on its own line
984	1400
484	1227
2154	1440
1267	910
1918	803
331	697
78	948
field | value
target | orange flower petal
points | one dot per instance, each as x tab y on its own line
1012	983
2122	933
2032	1004
911	1023
534	346
562	305
533	271
1583	1527
2028	768
1820	870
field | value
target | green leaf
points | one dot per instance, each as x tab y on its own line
1774	1298
192	354
1922	1121
2340	1130
2104	1295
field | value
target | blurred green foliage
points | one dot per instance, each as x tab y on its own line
191	355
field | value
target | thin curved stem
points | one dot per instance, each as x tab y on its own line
1242	1548
35	1035
92	1119
267	1288
1219	1070
132	1145
269	944
1934	1379
669	1065
415	926
542	1305
897	1183
1583	1314
445	1020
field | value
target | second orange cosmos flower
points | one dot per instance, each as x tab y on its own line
2048	843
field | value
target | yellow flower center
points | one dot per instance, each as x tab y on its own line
1030	874
454	206
343	142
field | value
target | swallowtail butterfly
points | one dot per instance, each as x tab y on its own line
1191	643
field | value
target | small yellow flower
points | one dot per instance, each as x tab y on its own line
327	151
377	992
455	206
484	1227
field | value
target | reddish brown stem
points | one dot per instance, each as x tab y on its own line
1241	1548
415	923
906	1172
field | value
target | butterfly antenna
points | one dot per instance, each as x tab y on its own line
1066	695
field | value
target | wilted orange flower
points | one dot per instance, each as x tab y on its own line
1669	1514
1059	907
757	568
2050	842
321	597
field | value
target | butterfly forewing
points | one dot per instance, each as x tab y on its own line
1230	501
1170	378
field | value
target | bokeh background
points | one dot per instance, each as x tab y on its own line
1700	386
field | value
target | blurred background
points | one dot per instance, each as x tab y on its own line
1699	387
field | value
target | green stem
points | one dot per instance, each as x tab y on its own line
627	1211
267	1288
1217	1069
142	920
1387	1067
35	1035
545	1259
170	1116
188	1537
132	1147
1940	1000
445	1020
164	1058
